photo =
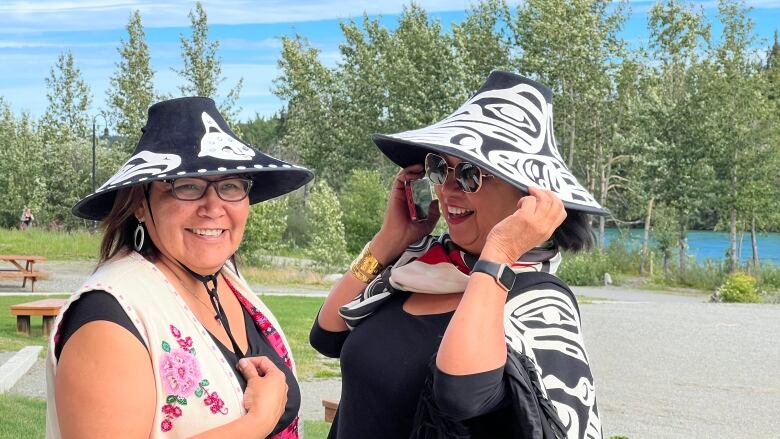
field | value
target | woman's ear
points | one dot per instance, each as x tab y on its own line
140	211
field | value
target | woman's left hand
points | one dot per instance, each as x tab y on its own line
536	218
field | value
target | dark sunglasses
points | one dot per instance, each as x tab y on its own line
467	175
228	189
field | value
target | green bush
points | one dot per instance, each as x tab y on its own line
586	268
622	258
707	275
740	288
265	227
325	228
363	201
296	234
769	278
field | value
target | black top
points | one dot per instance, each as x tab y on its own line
384	364
99	305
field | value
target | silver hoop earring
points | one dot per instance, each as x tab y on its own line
139	237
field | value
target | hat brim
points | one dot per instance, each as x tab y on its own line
281	180
406	153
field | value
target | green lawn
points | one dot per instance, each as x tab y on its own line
60	246
23	417
295	314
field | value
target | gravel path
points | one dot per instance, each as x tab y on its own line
667	366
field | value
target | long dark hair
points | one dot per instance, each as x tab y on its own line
120	224
575	234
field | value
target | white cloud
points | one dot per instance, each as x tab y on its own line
18	16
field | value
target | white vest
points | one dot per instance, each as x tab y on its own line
196	388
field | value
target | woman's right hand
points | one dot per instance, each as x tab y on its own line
398	230
266	391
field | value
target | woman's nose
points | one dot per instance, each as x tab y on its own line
212	205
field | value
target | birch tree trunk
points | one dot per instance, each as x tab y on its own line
646	237
733	241
754	246
683	241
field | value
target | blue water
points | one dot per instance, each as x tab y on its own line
712	245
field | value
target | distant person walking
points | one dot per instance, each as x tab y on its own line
26	218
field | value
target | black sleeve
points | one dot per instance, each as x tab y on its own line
92	306
468	396
326	342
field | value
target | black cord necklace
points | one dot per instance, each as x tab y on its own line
220	316
210	283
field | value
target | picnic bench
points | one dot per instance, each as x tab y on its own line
47	308
23	267
330	409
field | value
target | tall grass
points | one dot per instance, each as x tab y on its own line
619	260
64	246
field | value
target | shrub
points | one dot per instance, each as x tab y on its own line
325	227
363	201
265	227
622	257
739	287
297	234
586	268
769	277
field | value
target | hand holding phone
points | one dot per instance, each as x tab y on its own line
418	198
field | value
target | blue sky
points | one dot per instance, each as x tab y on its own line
33	33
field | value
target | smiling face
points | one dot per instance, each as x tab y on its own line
471	216
201	234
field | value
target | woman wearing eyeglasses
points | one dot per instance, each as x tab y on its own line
166	339
469	334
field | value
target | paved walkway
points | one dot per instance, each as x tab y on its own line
666	365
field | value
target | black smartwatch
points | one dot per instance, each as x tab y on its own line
502	273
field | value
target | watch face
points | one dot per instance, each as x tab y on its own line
507	278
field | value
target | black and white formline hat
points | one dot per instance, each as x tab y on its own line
506	128
187	137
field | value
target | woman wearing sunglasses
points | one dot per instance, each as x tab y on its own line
469	334
166	339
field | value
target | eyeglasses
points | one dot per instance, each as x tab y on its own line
467	175
228	189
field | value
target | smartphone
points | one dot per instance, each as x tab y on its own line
418	198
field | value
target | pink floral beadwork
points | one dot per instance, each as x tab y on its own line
180	372
181	377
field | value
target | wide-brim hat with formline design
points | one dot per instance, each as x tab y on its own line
506	128
187	137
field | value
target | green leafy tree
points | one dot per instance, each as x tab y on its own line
64	131
677	35
664	233
21	167
325	227
741	126
304	85
202	70
265	227
68	97
574	47
363	201
132	85
482	42
265	133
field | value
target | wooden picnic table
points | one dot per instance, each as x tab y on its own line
47	308
23	267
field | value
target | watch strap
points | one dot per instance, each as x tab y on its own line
502	273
